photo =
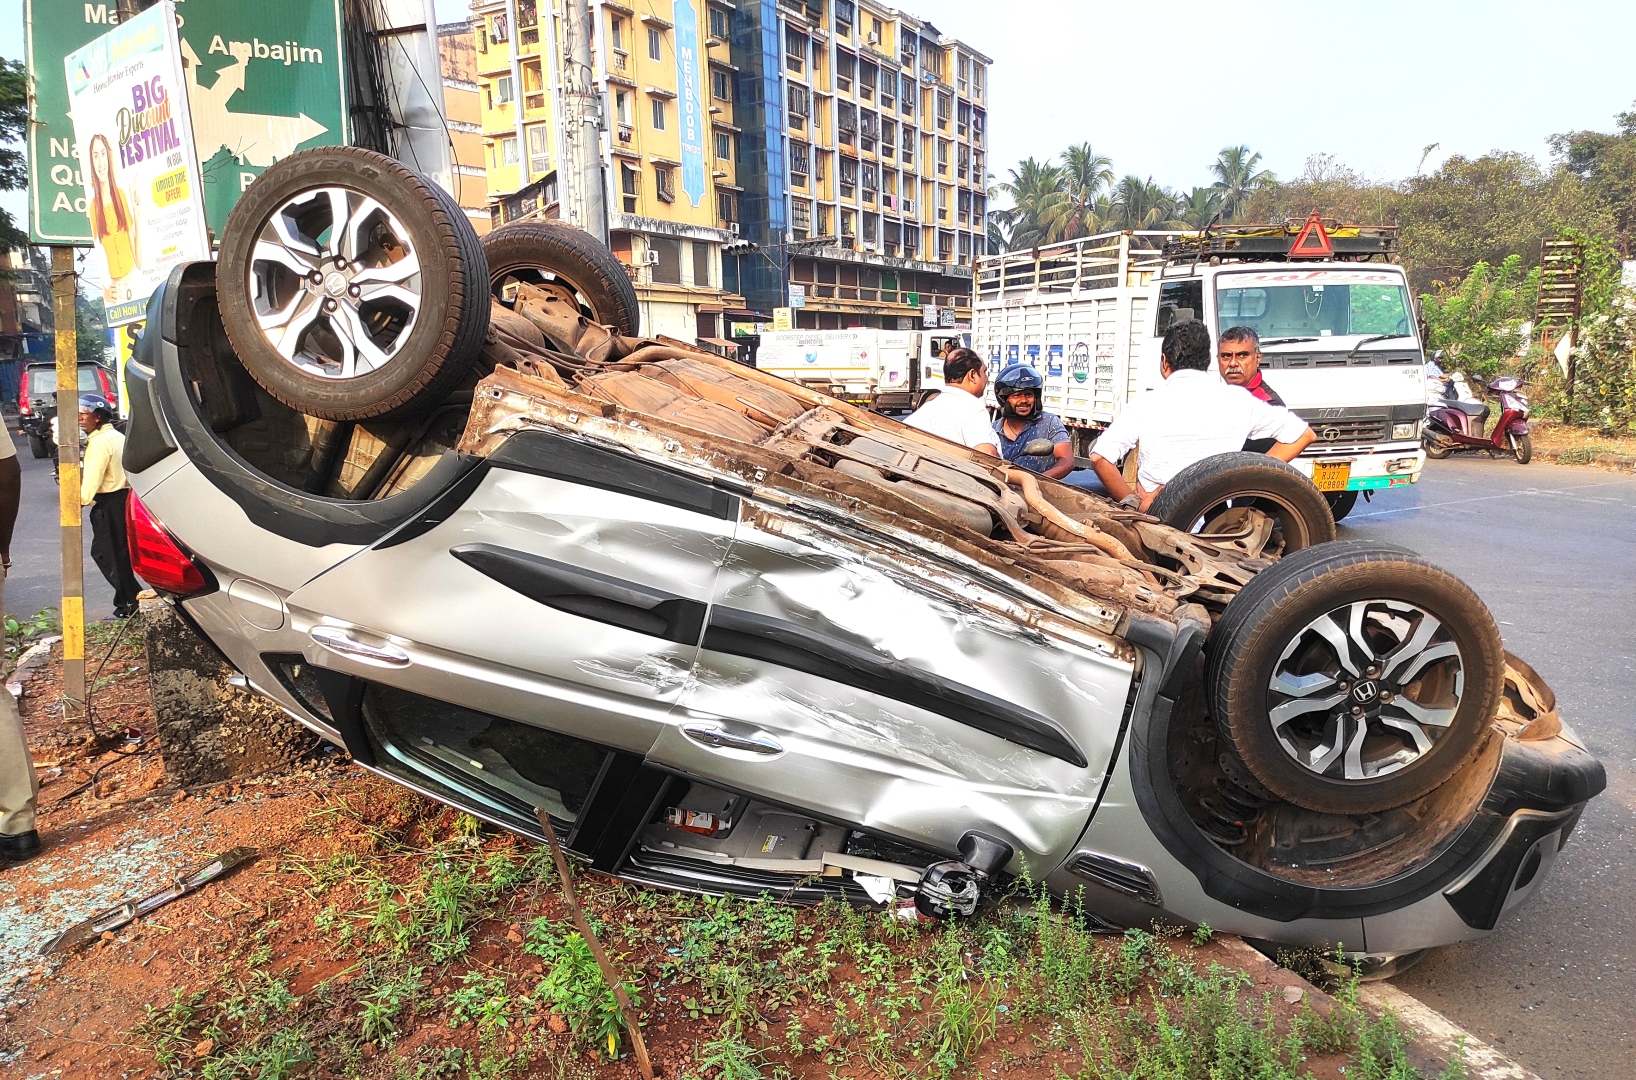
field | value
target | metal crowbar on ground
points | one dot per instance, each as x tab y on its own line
123	914
609	974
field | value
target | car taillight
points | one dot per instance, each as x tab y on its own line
156	556
22	396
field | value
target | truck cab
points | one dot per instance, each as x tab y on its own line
1338	334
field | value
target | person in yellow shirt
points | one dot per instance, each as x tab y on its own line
104	489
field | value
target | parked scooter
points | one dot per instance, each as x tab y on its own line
1454	425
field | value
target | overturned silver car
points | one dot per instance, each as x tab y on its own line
736	636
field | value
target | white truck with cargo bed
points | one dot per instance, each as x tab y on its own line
1338	334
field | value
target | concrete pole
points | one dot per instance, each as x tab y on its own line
64	293
584	197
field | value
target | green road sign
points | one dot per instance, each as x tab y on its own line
265	78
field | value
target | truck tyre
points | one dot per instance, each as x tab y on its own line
1352	678
549	252
350	287
39	445
1340	503
1198	494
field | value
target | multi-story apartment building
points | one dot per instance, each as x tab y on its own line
863	158
669	155
463	107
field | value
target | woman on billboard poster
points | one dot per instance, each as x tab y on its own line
112	220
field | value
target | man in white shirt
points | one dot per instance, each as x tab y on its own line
1191	416
958	413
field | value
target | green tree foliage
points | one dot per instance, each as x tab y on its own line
1604	391
13	126
1478	319
1239	175
1200	207
1606	165
1143	204
90	329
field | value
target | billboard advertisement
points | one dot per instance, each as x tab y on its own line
140	173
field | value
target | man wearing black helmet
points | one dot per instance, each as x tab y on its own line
1023	420
104	489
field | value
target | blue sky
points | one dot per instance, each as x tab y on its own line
1161	88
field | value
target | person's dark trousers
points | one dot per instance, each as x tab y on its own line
110	551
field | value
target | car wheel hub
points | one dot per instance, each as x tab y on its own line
1365	690
335	283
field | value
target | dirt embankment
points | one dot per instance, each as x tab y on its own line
379	935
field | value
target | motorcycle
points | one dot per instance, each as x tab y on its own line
1454	425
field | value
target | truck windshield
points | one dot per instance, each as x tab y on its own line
1314	303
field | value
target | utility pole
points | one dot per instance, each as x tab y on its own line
64	299
584	196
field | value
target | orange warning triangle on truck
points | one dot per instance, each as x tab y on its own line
1312	242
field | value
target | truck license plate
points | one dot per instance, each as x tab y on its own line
1331	475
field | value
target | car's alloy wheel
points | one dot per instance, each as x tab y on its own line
350	287
1354	677
1365	689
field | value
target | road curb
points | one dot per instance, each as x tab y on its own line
1436	1038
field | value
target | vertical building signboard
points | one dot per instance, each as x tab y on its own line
689	104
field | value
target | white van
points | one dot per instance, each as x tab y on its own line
884	370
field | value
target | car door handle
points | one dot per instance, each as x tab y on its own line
588	594
339	639
720	739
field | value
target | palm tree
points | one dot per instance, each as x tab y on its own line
1143	204
1200	208
1088	174
1039	204
1237	178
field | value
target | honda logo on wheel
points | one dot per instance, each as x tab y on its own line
1365	691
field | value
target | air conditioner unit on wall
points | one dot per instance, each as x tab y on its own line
874	39
650	258
732	228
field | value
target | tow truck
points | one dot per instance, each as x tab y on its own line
1329	301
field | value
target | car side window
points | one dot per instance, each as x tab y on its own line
1178	300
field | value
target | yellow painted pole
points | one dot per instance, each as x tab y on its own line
65	290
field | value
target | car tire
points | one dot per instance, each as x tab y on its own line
1523	447
1340	503
1192	495
1275	677
540	252
39	445
368	340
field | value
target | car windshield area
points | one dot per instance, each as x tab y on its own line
43	380
1314	304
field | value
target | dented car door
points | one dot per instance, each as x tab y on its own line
838	672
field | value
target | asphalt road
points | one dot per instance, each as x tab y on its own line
1552	549
35	581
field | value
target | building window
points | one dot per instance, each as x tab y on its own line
655	44
498	29
668	270
726	206
908	145
866	81
658	114
962	161
977	80
616	32
846	121
539	161
821	166
871	181
721	86
701	264
622	107
906	47
963	74
877	32
801	218
845	66
843	17
505	92
664	183
718	24
888	137
906	95
630	185
962	123
870	125
849	224
482	37
800	164
795	51
797	102
943	106
724	146
871	229
826	218
977	126
508	150
849	177
942	157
